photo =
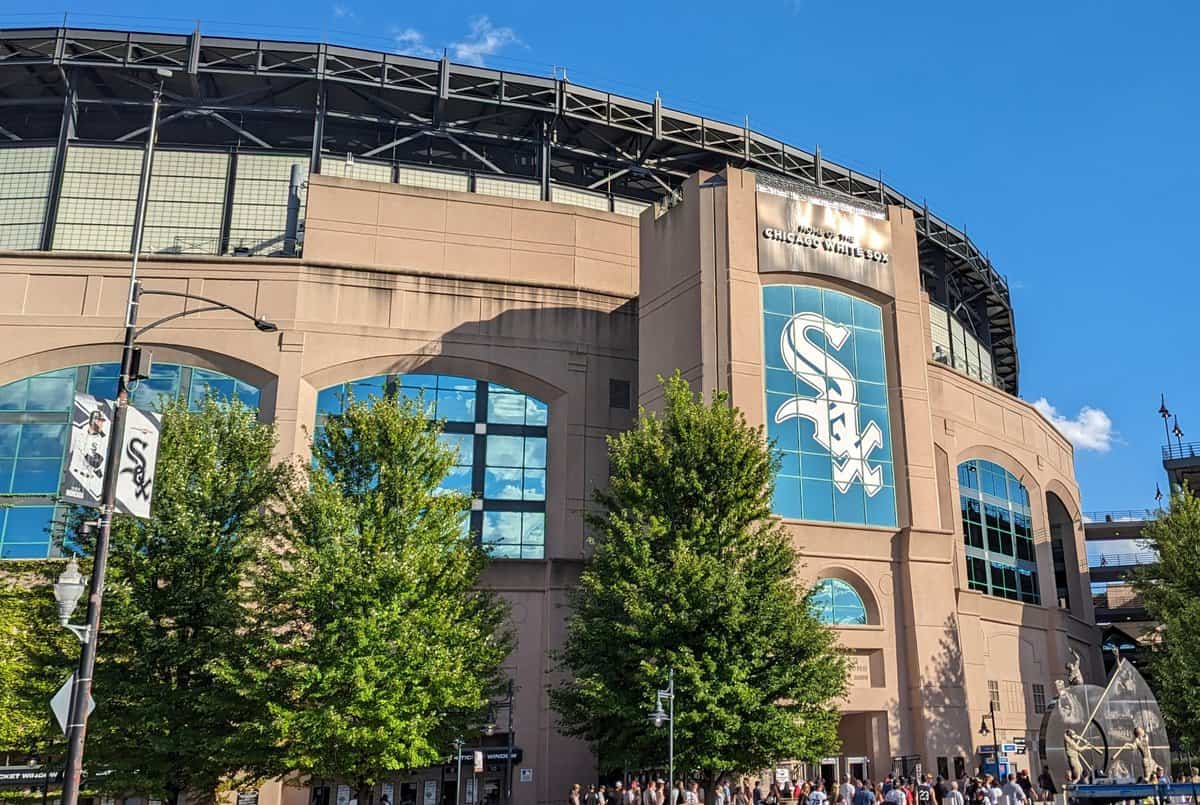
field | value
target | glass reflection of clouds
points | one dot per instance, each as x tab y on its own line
34	413
836	603
499	435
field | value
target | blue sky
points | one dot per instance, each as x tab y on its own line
1060	135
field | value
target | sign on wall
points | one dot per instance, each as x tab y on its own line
817	236
83	471
827	406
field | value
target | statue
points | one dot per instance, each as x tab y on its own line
1073	747
1074	673
1141	745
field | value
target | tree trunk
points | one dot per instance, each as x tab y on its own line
363	791
708	781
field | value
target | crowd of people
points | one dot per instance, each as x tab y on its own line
894	789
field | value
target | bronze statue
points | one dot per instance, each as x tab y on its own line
1074	672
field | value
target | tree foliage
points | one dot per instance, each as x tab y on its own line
36	656
691	572
1171	591
180	633
388	647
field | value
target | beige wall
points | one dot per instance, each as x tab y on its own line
922	665
543	297
532	295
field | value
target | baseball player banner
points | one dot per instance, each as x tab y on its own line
84	469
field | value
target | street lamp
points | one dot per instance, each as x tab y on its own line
659	716
67	592
70	585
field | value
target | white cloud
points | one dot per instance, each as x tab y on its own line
342	11
412	42
484	40
1091	429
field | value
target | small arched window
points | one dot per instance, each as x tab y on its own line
837	603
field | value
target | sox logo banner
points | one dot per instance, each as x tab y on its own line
834	411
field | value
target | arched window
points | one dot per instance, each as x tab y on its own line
837	603
500	436
998	532
35	413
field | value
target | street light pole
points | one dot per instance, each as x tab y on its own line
508	755
658	716
77	723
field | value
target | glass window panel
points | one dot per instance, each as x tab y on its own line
6	474
778	299
867	315
806	299
502	528
786	434
817	498
872	394
329	401
506	409
535	451
532	551
502	484
505	451
42	441
504	551
848	506
454	383
9	432
789	462
50	393
462	443
456	406
502	389
881	507
458	479
781	381
785	500
868	347
535	485
837	307
533	528
536	412
427	382
25	550
12	396
204	384
36	476
772	337
368	388
102	388
816	465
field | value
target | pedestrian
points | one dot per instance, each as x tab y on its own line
846	792
924	791
1011	793
693	794
953	795
993	790
894	795
1026	785
592	797
1046	784
650	795
773	795
863	795
818	796
573	798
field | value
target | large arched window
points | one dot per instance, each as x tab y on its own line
35	413
500	436
998	532
837	603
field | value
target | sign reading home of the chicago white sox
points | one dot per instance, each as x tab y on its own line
819	236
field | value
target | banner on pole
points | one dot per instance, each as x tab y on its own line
91	431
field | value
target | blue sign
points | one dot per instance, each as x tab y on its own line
827	406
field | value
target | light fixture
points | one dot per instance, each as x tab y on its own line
265	326
68	590
983	727
659	716
489	726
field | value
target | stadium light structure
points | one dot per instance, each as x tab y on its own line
70	586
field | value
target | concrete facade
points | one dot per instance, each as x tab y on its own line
560	302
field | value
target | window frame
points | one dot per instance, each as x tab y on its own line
997	530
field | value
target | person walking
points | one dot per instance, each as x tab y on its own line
592	797
863	795
846	792
818	796
573	798
924	791
1046	785
953	796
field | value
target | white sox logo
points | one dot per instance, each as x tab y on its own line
834	411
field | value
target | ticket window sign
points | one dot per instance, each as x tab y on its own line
477	758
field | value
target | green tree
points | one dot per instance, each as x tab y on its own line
1171	591
691	572
36	656
391	648
181	637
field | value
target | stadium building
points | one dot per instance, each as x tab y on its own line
531	253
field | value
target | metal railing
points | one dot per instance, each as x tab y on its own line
1115	560
1120	516
1181	450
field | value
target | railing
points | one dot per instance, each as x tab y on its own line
1123	559
1120	516
1180	450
